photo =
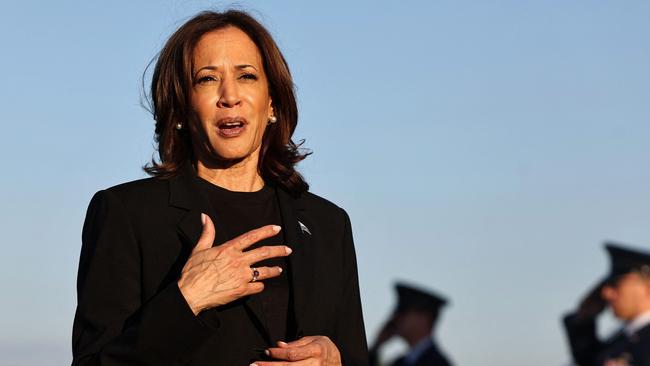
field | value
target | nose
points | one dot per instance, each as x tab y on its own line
229	94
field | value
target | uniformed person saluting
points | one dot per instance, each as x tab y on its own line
414	320
626	289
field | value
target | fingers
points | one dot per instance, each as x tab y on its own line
282	363
308	350
260	254
297	353
254	288
247	239
267	272
299	342
206	240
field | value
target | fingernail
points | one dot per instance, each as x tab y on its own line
280	269
276	228
267	352
253	364
288	250
203	216
280	343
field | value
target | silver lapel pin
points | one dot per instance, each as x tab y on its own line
304	228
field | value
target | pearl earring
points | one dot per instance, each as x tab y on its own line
179	126
273	119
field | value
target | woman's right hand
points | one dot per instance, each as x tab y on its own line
214	276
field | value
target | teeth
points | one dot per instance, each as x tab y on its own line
232	124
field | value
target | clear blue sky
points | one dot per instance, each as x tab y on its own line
484	149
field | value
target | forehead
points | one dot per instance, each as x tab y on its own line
227	46
625	279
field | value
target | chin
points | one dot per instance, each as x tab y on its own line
622	315
232	154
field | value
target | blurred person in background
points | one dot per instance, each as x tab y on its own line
223	257
626	290
414	320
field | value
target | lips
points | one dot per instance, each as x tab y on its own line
231	126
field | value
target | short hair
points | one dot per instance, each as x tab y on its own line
644	271
169	101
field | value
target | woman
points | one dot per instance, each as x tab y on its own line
223	257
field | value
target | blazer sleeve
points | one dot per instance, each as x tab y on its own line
350	331
583	340
113	325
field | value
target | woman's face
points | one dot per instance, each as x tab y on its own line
229	97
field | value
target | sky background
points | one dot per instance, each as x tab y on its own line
483	149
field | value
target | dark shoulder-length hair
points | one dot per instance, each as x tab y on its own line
170	101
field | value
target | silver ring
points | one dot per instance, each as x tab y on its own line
256	274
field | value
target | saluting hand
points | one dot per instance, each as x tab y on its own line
214	276
306	351
593	303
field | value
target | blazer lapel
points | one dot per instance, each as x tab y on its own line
299	260
185	193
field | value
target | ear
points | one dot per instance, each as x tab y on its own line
646	282
271	111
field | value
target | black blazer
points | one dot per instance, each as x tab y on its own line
136	238
588	350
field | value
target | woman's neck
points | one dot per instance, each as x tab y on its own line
242	176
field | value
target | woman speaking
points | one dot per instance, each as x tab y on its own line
222	257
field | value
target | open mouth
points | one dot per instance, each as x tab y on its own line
231	126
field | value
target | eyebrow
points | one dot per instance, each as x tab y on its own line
213	68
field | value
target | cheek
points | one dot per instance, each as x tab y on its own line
202	106
628	295
637	292
260	131
261	115
260	101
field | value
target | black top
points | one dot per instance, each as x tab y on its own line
240	212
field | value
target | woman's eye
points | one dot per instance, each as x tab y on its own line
205	79
249	76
